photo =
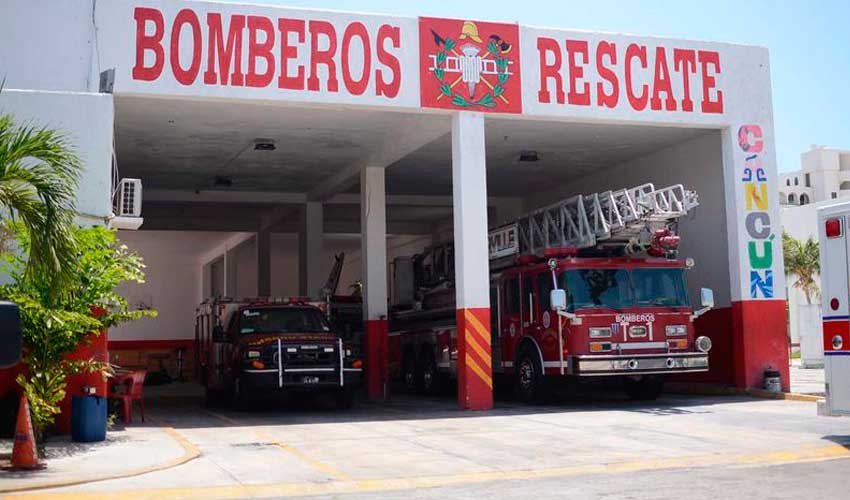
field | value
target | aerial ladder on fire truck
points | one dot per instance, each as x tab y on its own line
629	220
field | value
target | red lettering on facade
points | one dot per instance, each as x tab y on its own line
602	98
229	52
289	52
709	82
260	50
382	86
323	57
545	47
353	85
145	43
685	62
662	83
575	47
638	102
186	76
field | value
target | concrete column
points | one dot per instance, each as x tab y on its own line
472	273
311	250
757	315
373	229
264	265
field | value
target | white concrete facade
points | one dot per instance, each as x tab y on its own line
353	95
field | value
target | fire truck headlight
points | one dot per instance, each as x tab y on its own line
252	354
600	333
703	344
637	331
676	330
837	342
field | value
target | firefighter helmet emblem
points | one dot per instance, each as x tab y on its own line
472	67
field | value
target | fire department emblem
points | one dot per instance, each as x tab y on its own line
466	65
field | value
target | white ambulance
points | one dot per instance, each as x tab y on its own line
833	224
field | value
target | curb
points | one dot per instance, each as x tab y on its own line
190	452
724	390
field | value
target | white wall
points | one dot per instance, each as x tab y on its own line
697	164
86	120
48	45
172	285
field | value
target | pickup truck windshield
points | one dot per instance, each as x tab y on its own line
619	288
282	320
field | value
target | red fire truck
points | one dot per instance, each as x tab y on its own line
588	288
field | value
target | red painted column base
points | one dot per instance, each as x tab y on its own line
760	333
474	361
377	358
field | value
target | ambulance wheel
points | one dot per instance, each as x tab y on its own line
644	388
429	378
528	377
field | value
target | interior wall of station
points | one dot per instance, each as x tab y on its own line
176	261
698	165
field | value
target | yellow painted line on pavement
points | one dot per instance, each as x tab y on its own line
331	471
190	452
831	452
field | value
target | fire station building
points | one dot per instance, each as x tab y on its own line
269	139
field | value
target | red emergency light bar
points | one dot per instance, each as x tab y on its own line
833	228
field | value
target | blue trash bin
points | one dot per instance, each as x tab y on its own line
88	418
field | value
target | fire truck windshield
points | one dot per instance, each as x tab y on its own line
620	288
282	320
597	288
660	287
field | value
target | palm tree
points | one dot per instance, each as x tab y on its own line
802	259
39	172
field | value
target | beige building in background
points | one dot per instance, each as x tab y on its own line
825	175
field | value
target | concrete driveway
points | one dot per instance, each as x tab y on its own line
604	447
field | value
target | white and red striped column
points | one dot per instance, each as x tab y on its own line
469	191
373	244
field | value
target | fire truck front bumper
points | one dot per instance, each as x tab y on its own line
300	378
638	364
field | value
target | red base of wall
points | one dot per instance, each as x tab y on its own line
377	358
748	338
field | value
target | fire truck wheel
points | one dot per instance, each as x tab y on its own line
409	372
429	377
645	388
528	385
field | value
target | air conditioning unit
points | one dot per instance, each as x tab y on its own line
128	205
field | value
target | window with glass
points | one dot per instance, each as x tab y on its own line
512	296
545	286
282	320
597	288
660	287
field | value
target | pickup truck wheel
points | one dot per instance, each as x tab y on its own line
645	388
239	397
344	399
528	377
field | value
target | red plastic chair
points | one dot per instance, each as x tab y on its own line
132	384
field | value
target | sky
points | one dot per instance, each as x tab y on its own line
809	43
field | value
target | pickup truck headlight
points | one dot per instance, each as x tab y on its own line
600	333
676	330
